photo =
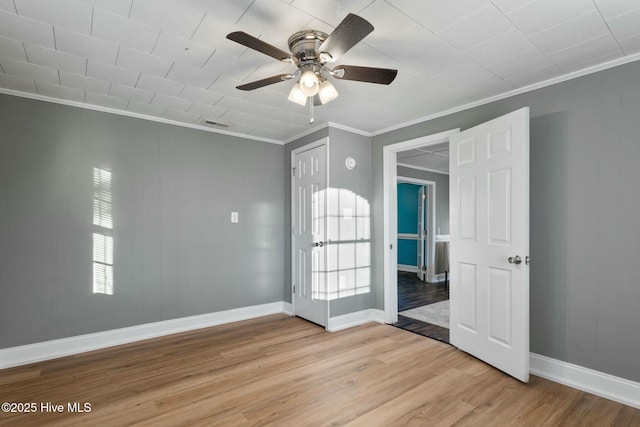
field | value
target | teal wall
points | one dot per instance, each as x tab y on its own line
441	194
408	208
408	252
408	222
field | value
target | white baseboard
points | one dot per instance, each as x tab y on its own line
21	355
595	382
287	308
407	268
585	379
438	278
354	319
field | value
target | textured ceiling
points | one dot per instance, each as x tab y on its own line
434	158
170	58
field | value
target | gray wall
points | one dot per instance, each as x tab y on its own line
176	252
442	194
357	182
585	234
342	144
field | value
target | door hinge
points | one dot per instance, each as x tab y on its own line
391	246
293	171
294	289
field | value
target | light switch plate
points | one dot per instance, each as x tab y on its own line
234	217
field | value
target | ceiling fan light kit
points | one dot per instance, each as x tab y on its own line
309	84
296	95
327	92
311	50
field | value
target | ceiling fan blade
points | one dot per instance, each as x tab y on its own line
347	34
256	44
265	82
382	76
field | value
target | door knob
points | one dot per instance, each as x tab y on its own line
515	259
318	244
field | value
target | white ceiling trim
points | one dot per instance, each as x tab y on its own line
460	69
532	87
405	165
326	125
135	115
306	132
350	129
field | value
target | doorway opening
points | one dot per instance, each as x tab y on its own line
418	300
489	214
423	292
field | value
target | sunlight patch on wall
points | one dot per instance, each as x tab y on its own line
103	233
344	268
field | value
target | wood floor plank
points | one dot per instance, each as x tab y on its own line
395	411
413	293
284	371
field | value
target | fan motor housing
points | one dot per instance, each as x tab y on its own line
303	44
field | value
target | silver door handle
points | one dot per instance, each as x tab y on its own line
515	259
318	244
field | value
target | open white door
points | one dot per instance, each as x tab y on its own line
489	213
422	253
309	219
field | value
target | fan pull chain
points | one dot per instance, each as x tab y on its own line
311	119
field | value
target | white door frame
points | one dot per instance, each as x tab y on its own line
390	208
431	212
324	141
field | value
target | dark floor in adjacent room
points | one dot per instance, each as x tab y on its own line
412	293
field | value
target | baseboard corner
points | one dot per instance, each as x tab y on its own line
287	308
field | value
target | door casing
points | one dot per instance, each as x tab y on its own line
390	203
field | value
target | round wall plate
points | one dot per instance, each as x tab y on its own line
350	163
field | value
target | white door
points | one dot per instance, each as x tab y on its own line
422	253
489	193
309	219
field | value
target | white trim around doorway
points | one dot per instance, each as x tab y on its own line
390	181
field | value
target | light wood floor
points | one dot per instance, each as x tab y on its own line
284	371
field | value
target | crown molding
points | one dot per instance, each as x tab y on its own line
549	82
305	133
327	125
102	109
350	129
555	80
406	165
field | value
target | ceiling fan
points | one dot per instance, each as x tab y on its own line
311	51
